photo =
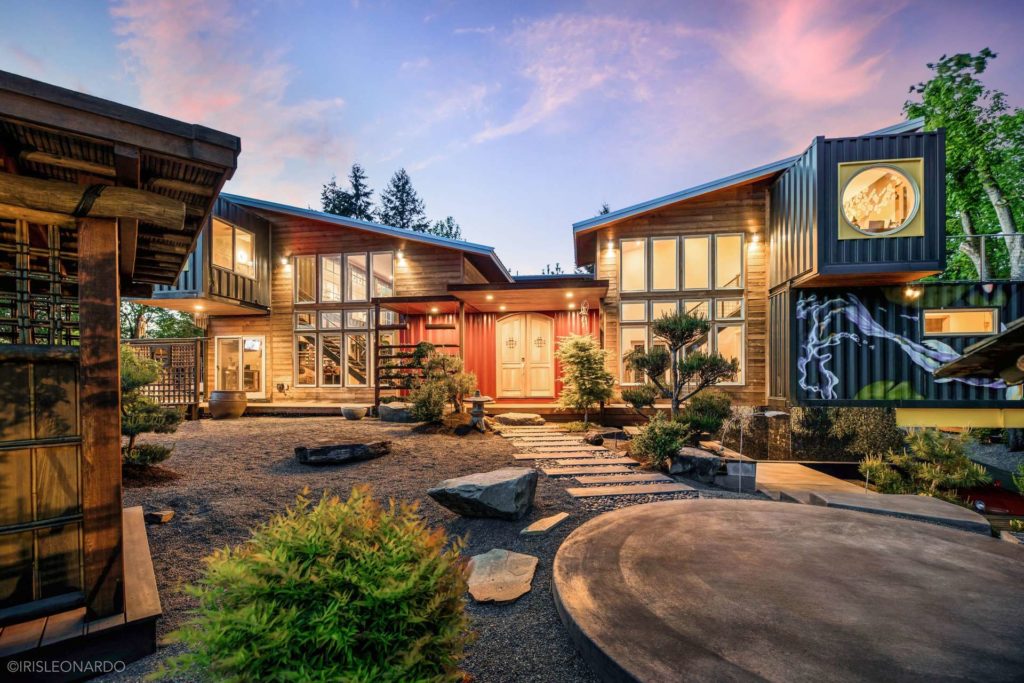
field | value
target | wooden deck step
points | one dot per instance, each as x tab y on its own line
552	456
627	490
586	469
644	477
598	461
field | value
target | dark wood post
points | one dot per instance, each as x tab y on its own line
100	392
376	356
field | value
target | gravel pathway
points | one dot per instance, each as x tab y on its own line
995	455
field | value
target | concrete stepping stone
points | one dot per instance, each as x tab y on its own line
588	469
598	461
627	490
920	508
542	526
626	479
571	440
500	575
551	456
577	449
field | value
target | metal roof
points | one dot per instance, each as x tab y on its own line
910	126
368	226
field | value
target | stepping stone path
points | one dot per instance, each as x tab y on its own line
500	575
598	471
542	526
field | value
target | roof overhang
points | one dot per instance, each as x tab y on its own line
54	133
548	294
432	304
481	256
997	357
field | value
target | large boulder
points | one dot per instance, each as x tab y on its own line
506	493
500	575
396	411
339	454
519	419
693	463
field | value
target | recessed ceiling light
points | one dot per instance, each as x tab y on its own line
572	305
433	309
490	297
199	307
501	307
568	295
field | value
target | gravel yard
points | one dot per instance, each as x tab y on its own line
235	474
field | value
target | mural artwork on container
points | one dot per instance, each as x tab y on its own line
869	345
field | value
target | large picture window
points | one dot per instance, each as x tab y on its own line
633	338
729	345
357	364
305	279
330	360
234	249
664	264
633	273
728	261
355	279
330	278
383	265
696	263
305	360
336	350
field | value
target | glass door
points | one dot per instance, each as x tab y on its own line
241	365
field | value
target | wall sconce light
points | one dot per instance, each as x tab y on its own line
568	295
433	309
501	307
912	293
401	257
490	297
755	238
611	247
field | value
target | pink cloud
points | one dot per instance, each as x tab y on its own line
195	60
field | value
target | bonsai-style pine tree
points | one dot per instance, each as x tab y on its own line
141	414
932	465
690	374
401	206
585	380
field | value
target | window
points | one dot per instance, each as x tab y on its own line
234	249
356	319
355	287
383	273
880	200
357	360
963	321
305	360
330	360
388	317
330	278
696	263
698	307
633	273
662	308
634	311
728	261
664	266
305	279
729	344
330	320
633	338
305	320
728	309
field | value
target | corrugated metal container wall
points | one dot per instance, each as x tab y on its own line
232	285
837	256
190	281
866	346
793	219
779	325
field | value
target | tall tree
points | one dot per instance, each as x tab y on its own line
139	321
984	158
400	206
334	199
446	228
355	202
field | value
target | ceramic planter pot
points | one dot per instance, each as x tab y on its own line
227	405
353	412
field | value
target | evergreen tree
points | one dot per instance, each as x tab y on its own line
446	228
355	202
605	209
548	270
400	206
334	199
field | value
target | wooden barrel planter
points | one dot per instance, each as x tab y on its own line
227	405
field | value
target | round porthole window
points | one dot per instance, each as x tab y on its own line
880	200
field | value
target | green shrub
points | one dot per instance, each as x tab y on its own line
585	379
932	465
578	426
641	396
659	439
146	454
1018	478
139	413
337	591
428	400
706	413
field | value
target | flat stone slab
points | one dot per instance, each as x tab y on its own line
566	440
542	526
598	461
396	411
551	456
574	471
625	479
500	575
755	590
923	508
506	493
342	453
626	490
516	419
575	449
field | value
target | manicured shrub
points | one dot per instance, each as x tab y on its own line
578	426
141	414
641	396
146	454
866	431
659	439
706	413
933	464
428	400
585	379
336	591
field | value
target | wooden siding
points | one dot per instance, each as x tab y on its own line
425	270
473	276
793	220
733	210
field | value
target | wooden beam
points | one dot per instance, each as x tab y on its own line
47	159
180	186
100	399
58	197
128	241
20	213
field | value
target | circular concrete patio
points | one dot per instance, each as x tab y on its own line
722	590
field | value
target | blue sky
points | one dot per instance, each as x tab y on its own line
516	118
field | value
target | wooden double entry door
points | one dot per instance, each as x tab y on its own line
526	356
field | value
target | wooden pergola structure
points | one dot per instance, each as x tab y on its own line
97	200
